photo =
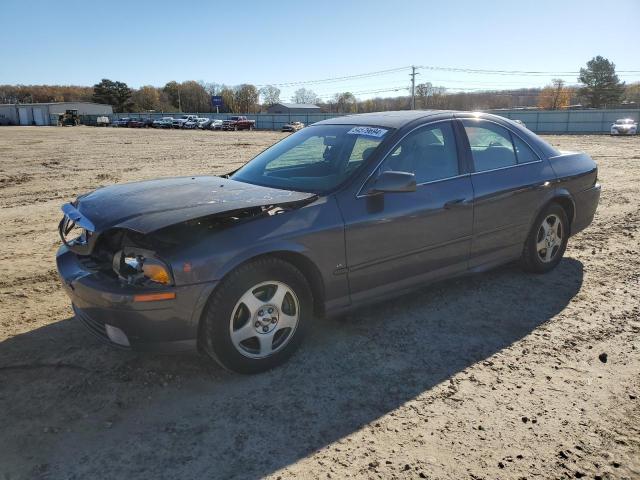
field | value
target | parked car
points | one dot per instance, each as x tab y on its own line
194	122
179	122
238	123
164	122
121	122
204	123
102	121
292	127
215	125
624	126
140	123
345	212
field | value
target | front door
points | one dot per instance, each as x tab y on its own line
397	240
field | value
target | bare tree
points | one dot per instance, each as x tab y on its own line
554	96
212	88
346	102
270	95
246	98
302	95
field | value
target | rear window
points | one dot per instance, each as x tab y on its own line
491	145
523	151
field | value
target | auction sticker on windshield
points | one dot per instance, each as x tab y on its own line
368	131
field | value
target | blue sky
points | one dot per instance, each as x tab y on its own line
153	42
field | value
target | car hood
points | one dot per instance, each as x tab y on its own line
151	205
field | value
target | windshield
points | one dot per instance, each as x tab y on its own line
624	121
315	159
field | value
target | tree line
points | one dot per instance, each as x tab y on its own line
599	87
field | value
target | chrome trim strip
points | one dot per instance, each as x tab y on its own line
510	131
508	166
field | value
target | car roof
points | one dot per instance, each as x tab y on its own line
393	119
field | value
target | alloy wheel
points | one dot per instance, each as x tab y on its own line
264	319
549	238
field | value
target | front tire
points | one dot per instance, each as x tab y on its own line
547	240
257	317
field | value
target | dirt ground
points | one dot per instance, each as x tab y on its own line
501	375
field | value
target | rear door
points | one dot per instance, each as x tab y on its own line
398	240
510	183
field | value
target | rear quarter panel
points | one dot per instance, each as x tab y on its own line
577	178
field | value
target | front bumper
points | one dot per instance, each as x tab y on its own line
99	300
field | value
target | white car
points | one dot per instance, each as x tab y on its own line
179	122
216	125
202	121
624	126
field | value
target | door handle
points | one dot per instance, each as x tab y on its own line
458	202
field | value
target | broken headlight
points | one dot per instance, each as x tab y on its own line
137	266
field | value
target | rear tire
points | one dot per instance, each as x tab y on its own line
547	241
257	317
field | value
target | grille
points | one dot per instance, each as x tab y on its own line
95	327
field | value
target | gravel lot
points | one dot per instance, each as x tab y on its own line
502	375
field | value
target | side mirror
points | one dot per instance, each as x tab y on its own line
393	182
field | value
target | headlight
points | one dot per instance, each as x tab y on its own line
136	266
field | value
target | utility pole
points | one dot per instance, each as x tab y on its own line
413	86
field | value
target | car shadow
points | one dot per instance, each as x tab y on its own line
114	414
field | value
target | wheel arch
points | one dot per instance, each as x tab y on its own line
565	200
561	197
297	258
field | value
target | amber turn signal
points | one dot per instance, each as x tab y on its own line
152	297
156	273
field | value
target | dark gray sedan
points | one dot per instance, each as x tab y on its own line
345	212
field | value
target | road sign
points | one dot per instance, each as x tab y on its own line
216	101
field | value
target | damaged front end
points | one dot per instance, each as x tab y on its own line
126	262
138	259
118	253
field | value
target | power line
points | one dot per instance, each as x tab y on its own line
509	72
363	92
336	79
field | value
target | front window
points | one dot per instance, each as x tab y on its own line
429	153
315	159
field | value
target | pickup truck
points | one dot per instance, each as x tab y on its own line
238	123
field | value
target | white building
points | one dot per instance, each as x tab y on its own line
47	113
